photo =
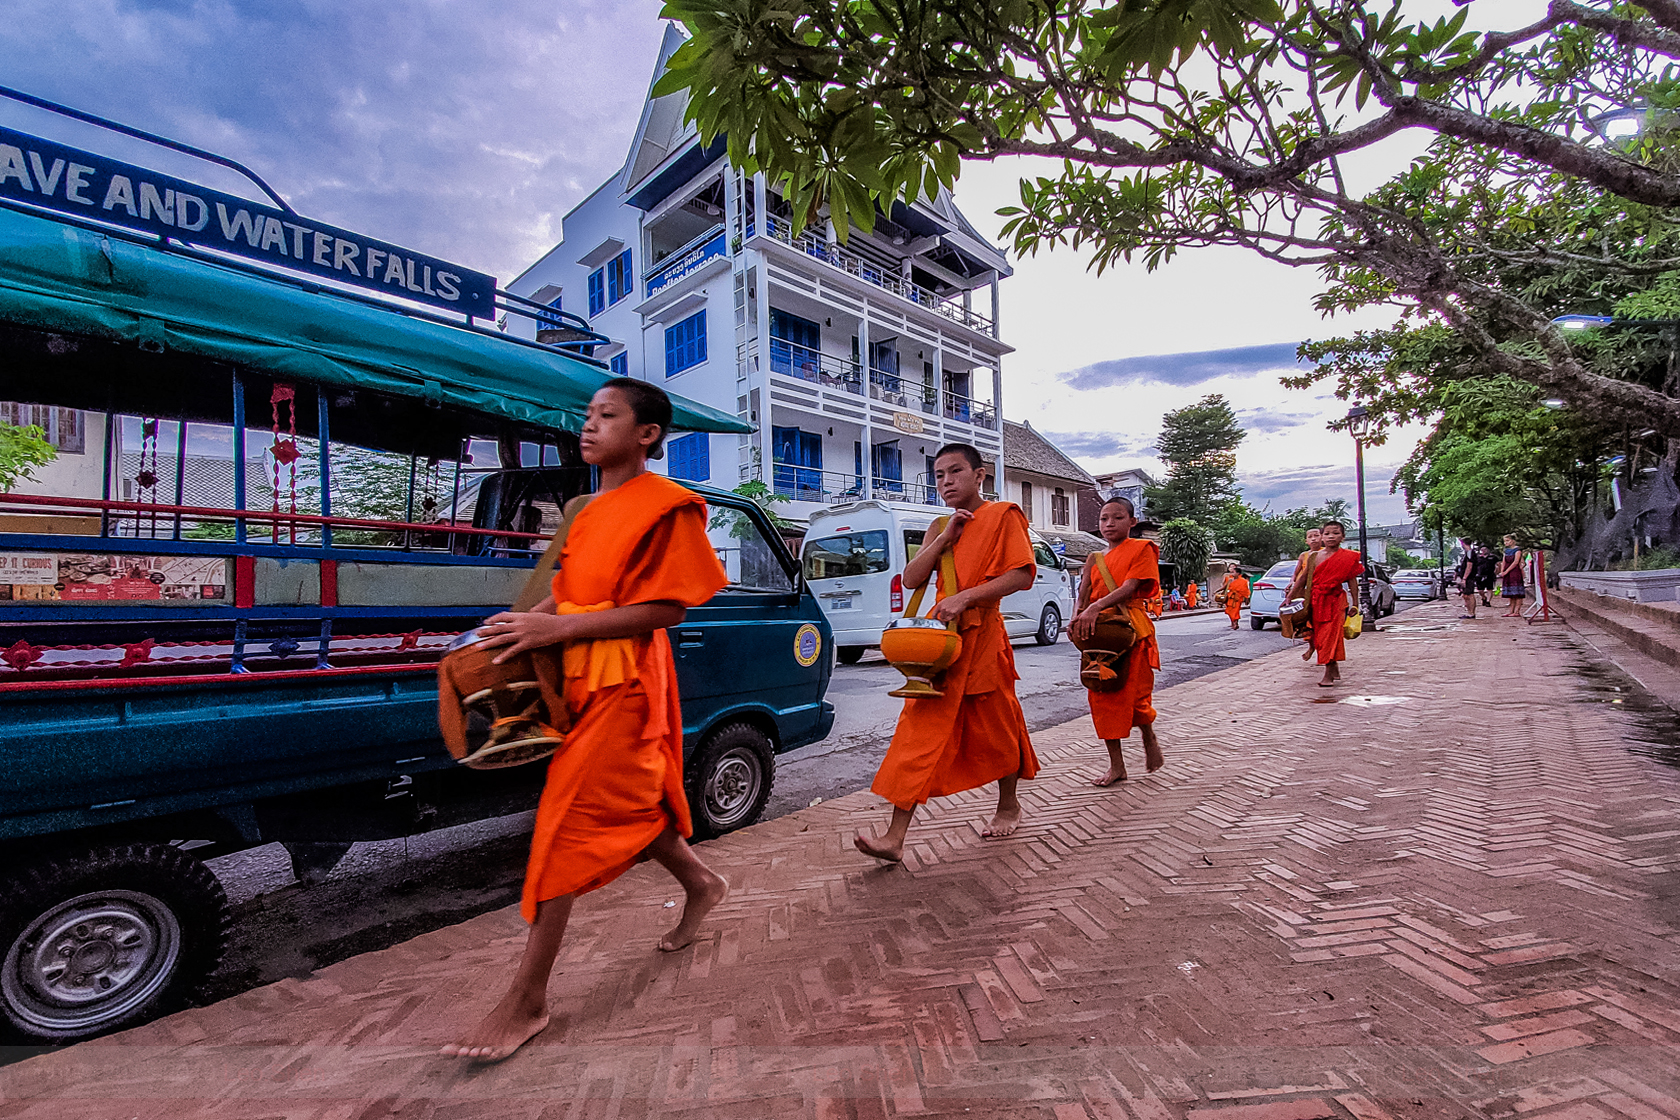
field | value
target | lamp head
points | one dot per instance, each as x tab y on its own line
1359	422
1582	322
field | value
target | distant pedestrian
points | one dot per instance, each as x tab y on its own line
1467	583
1177	600
1511	587
1193	595
1486	566
1236	593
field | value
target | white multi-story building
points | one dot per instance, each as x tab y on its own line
853	361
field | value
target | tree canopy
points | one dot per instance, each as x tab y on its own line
1198	444
1182	123
22	449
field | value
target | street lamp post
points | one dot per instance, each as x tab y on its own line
1359	427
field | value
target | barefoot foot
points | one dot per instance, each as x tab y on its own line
1004	823
1109	777
501	1034
880	849
699	904
1153	759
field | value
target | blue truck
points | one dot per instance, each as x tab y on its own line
272	504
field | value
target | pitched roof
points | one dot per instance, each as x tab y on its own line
1024	449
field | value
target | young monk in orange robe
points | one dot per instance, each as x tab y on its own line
1334	597
975	733
1135	565
637	558
1192	595
1236	594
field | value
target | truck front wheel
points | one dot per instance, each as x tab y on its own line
729	779
106	938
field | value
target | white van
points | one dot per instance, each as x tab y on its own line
854	560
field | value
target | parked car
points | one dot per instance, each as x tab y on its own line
854	562
1266	594
1417	583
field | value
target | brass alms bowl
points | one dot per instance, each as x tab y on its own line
920	648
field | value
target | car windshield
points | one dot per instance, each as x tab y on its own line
1280	570
846	554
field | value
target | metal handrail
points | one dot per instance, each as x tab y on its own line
791	480
969	411
792	360
149	137
780	229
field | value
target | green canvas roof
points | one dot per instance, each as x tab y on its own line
63	278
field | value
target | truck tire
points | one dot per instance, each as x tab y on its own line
106	938
851	655
1049	626
729	779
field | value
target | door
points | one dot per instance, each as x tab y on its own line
795	345
797	470
889	469
742	649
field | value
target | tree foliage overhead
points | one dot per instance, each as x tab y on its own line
1198	444
1181	123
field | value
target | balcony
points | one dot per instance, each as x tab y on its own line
811	484
811	243
689	259
969	411
792	360
902	392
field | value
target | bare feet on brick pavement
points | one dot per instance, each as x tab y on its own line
1008	816
1116	772
889	847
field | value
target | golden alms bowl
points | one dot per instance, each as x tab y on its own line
920	648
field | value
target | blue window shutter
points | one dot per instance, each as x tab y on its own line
620	364
597	292
702	457
691	457
685	344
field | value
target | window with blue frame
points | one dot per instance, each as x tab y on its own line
685	344
795	345
620	280
797	472
597	292
620	364
690	457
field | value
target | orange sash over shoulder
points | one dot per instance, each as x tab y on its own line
617	783
1116	713
975	733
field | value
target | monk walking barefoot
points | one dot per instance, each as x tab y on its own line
1334	598
1122	579
636	559
974	733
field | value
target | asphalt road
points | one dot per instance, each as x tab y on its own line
387	892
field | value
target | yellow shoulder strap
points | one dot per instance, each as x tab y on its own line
537	586
947	571
1102	570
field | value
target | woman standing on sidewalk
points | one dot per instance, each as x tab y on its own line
1511	587
636	560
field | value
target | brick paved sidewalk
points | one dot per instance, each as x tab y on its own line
1446	889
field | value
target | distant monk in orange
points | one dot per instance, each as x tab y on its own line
1135	566
975	733
636	560
1335	596
1236	593
1192	596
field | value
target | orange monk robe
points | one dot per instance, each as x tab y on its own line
1192	596
617	783
1329	602
975	733
1133	703
1236	594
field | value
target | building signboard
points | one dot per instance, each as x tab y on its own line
908	422
77	577
57	177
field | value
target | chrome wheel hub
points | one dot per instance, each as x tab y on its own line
90	960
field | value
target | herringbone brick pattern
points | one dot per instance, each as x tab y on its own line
1451	893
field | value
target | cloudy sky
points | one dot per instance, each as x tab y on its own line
467	129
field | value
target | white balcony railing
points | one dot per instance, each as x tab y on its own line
811	243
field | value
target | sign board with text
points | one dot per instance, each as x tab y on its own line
57	177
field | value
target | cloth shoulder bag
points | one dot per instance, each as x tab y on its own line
1103	655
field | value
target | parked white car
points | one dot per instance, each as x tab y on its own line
854	559
1417	583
